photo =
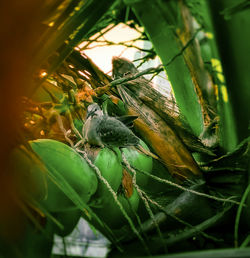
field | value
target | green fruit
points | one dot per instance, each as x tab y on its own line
109	163
63	163
68	219
139	161
111	214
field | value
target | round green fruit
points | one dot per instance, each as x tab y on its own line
68	173
68	219
139	161
112	215
109	163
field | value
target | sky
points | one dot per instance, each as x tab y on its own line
102	55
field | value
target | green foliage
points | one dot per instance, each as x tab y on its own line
198	10
235	8
232	39
29	173
72	30
161	28
62	185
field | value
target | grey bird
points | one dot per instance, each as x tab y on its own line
106	131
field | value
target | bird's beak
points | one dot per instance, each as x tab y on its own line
90	114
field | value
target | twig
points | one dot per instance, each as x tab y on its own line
150	70
110	43
68	114
60	124
101	34
190	190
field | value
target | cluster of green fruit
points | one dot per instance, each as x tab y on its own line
67	169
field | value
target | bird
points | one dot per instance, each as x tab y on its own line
105	131
122	67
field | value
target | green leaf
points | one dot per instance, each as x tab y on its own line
160	22
71	33
232	38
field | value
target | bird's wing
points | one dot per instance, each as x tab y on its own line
127	120
114	133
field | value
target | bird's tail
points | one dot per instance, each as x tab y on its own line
147	152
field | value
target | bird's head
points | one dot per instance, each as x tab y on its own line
122	67
94	110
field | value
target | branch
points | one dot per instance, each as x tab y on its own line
104	43
101	34
101	90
